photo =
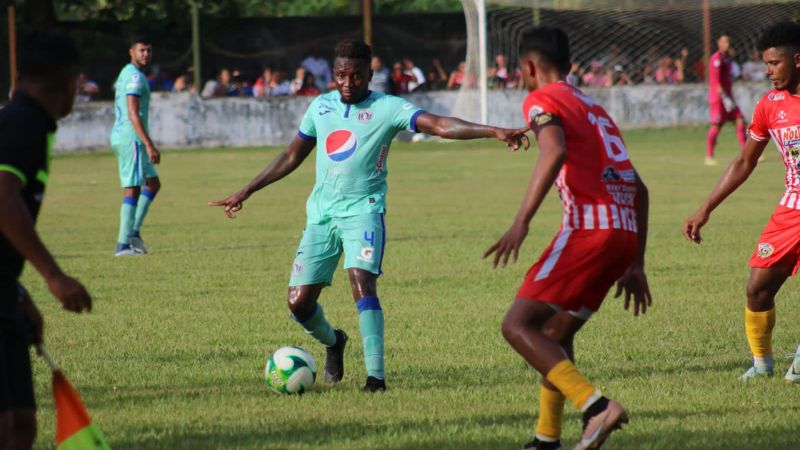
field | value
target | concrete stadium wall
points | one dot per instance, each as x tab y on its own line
184	120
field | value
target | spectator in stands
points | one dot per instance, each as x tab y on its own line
597	76
619	77
318	66
736	69
262	83
297	81
647	75
458	78
279	85
86	89
159	80
614	57
437	77
400	79
417	77
498	74
381	79
309	86
218	87
182	84
574	76
668	72
753	69
239	86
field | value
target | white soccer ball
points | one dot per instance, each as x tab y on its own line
290	370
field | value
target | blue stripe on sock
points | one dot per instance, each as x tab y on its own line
148	193
129	201
307	316
368	303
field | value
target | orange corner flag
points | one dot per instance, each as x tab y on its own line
74	428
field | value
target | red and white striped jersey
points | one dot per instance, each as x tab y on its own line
777	116
597	182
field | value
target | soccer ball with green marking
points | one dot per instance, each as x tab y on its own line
290	370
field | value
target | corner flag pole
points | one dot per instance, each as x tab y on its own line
483	83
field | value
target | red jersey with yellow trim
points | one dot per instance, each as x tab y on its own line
597	182
777	116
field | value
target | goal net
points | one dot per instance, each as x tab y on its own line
614	42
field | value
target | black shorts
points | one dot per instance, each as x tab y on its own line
16	379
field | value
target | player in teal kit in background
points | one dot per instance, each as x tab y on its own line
135	151
353	128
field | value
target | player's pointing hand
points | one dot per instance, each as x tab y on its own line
514	138
692	226
232	204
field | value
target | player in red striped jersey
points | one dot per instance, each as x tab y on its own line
721	104
602	238
777	254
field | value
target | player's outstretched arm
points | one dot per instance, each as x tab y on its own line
283	164
552	154
138	127
736	174
634	281
455	128
17	227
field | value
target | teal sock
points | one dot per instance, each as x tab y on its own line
145	199
370	323
316	325
126	215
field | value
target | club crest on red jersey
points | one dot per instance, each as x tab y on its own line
340	145
764	250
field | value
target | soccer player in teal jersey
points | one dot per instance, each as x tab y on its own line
353	128
136	153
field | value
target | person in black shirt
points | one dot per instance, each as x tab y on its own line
46	86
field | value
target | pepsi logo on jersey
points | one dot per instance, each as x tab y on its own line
340	145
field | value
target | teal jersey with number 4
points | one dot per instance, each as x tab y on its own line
353	143
131	81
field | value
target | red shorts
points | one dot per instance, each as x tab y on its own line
779	244
719	116
579	267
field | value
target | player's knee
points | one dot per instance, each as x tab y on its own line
759	298
510	328
299	304
154	185
24	428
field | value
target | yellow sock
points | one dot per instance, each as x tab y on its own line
551	407
571	383
758	327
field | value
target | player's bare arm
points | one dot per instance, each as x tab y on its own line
284	164
736	174
552	154
18	229
455	128
138	127
634	281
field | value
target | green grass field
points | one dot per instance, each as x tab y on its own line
172	356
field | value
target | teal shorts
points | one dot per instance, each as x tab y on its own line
134	164
362	238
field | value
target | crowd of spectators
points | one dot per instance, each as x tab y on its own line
314	76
